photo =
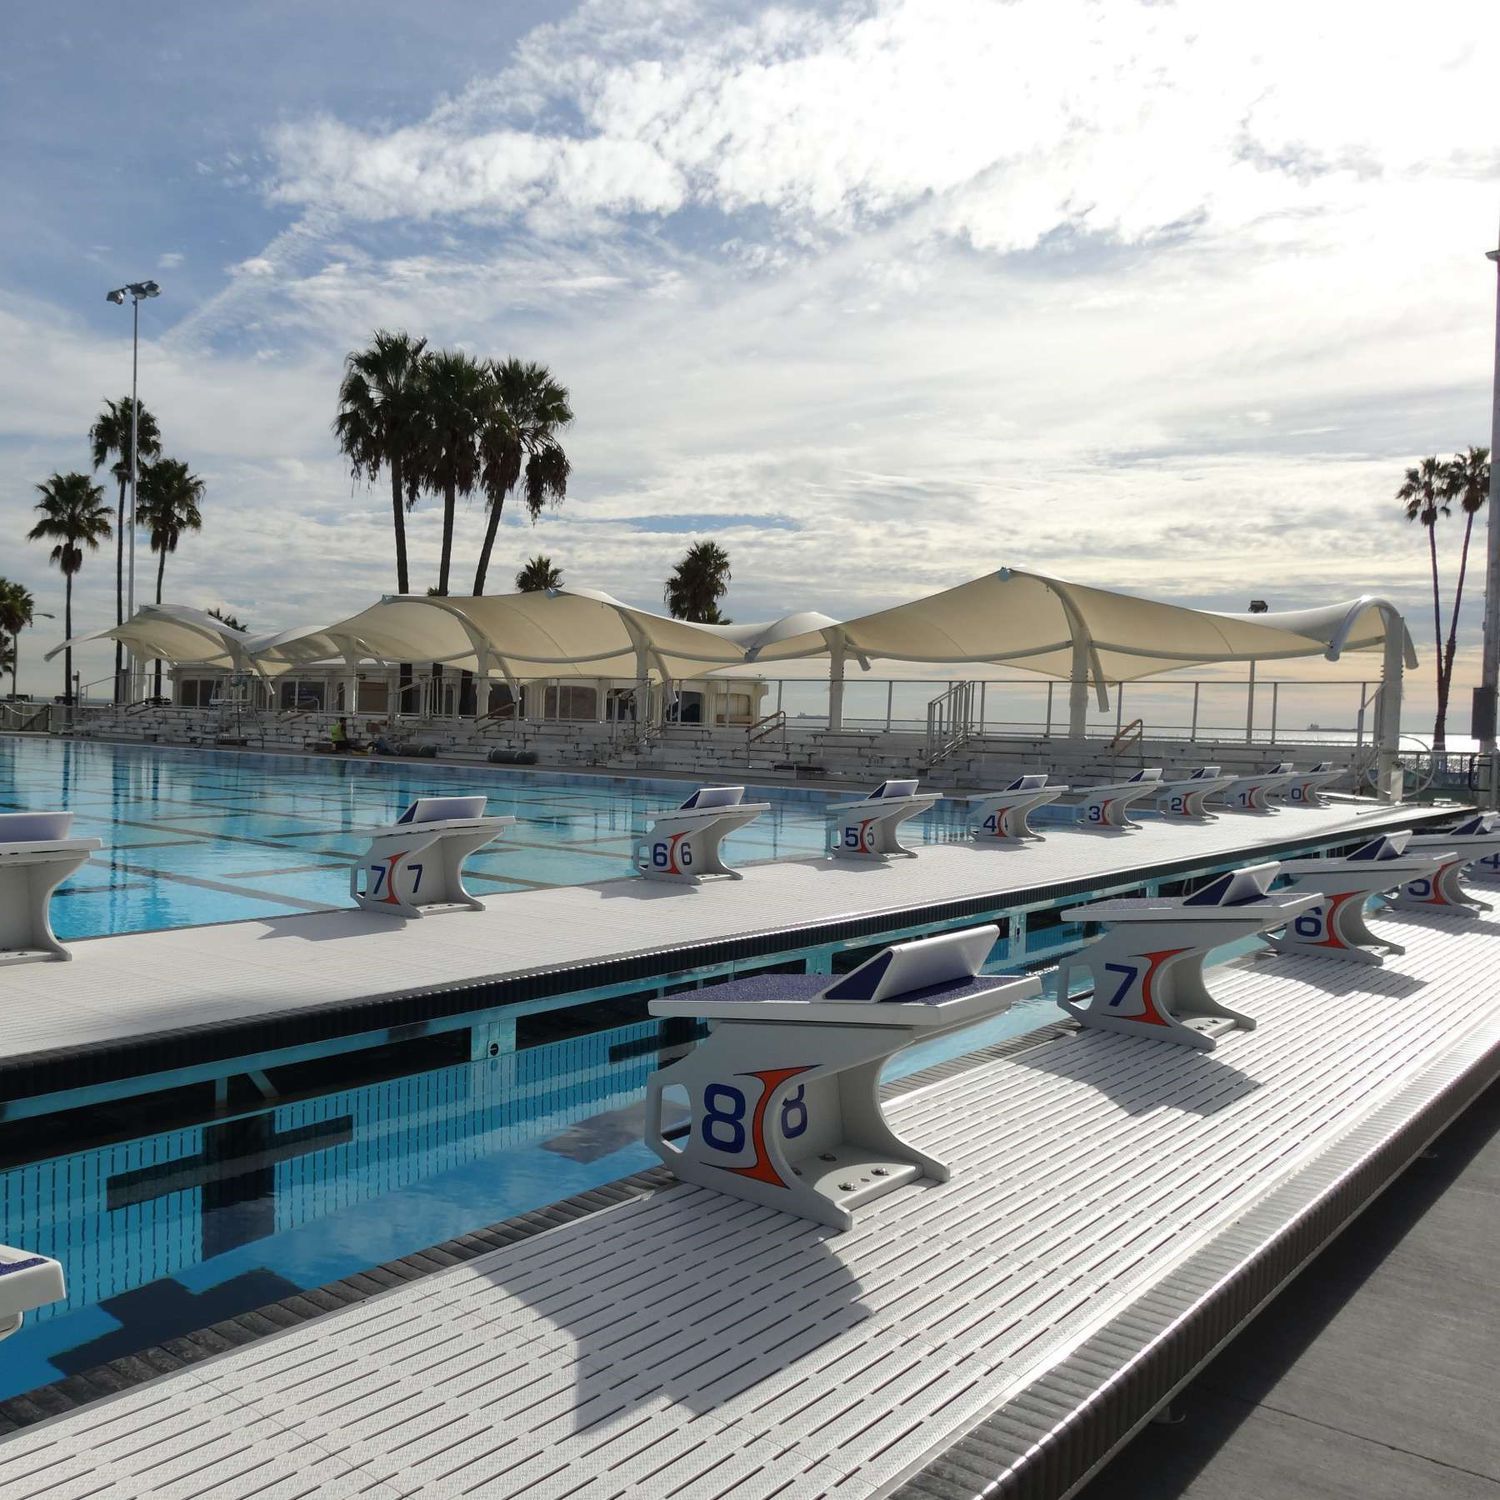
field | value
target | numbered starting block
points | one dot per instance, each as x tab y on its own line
1148	965
784	1095
1109	806
1475	840
417	863
1002	816
1249	793
867	829
686	844
26	1282
1185	798
36	856
1305	789
1335	927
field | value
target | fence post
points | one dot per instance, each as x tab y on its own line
1275	705
1193	732
890	691
1250	708
983	690
1050	686
1119	707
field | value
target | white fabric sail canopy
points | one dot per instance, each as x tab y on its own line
1047	625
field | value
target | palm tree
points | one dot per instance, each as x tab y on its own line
459	401
539	574
522	436
379	423
17	611
75	517
1424	494
697	584
111	434
228	619
1467	480
168	506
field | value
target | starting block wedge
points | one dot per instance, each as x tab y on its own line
1109	806
1184	798
686	844
26	1282
867	829
1002	816
784	1094
1474	840
1335	927
1147	966
1249	793
417	862
1305	789
36	856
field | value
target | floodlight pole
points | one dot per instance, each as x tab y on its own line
1490	676
135	460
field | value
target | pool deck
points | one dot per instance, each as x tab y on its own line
145	1003
1118	1208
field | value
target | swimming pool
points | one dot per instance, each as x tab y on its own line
198	836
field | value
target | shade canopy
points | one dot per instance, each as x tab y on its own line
1029	620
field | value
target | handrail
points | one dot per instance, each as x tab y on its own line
1128	737
950	722
764	728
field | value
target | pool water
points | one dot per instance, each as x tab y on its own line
194	836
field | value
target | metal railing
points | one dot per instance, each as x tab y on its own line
1127	737
950	722
767	728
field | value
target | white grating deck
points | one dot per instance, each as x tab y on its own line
692	1345
147	984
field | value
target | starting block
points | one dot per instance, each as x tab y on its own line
784	1094
36	856
418	861
684	845
1249	793
1185	798
1305	789
1148	964
1474	840
1335	927
26	1282
867	829
1109	806
1003	815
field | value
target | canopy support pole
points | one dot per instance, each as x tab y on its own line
1388	716
1078	690
837	649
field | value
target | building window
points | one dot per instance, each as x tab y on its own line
571	703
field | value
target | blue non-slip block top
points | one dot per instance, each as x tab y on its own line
7	1266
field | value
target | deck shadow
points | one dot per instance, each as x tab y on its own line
738	1295
1170	1076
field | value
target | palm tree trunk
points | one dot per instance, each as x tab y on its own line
1458	598
490	530
1439	726
161	568
450	502
398	514
68	636
119	585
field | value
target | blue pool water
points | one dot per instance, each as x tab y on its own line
193	836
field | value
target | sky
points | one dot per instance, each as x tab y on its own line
876	295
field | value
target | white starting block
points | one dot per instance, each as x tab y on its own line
1335	927
1474	840
1184	798
1249	793
26	1282
36	856
784	1094
685	844
1305	789
1003	815
418	861
1109	806
1148	964
867	829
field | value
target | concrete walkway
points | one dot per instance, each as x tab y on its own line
1375	1375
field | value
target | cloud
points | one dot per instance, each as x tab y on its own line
170	260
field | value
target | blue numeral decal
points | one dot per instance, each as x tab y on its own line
1129	971
1310	923
378	871
416	877
723	1106
794	1114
